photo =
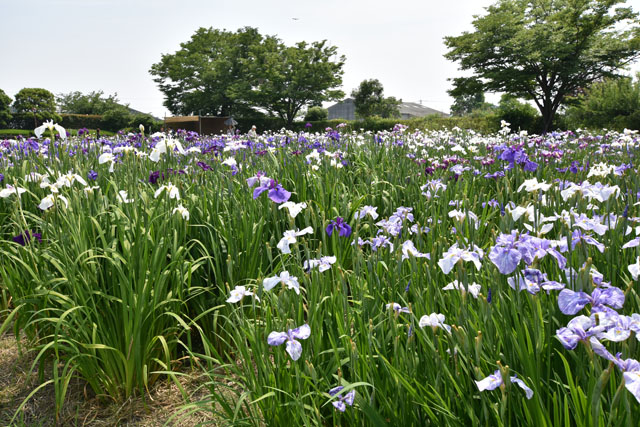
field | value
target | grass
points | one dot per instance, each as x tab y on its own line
125	291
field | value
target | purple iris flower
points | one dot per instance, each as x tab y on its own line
276	192
308	125
24	238
204	166
495	175
92	175
294	348
1	177
571	302
340	225
154	177
342	400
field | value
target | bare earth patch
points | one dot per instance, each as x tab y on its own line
81	407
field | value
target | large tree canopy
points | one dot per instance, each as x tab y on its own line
545	50
225	73
369	100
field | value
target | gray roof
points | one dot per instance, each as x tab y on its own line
413	109
346	110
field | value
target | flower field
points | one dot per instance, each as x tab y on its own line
333	278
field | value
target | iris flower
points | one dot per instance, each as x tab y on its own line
294	348
51	126
289	238
238	293
323	263
182	211
50	200
571	302
285	278
342	400
397	308
634	269
9	190
275	191
408	248
293	208
173	191
473	288
367	210
494	381
340	225
455	254
435	320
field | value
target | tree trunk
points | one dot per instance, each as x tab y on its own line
548	113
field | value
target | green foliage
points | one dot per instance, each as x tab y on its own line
545	50
10	133
40	104
369	101
5	112
611	104
290	78
93	103
116	119
316	114
519	115
223	73
466	103
78	121
150	124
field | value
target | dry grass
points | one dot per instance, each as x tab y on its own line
81	408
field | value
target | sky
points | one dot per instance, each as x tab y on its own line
110	45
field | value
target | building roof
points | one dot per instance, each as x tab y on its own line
418	110
346	110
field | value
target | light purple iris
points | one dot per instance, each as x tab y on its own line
532	280
342	400
571	302
494	381
511	248
294	348
577	330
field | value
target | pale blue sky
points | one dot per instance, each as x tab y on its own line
109	45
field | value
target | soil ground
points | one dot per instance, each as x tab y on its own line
83	409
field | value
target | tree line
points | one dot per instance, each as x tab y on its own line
32	106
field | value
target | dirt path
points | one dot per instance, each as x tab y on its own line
81	408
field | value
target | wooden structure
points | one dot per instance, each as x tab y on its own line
204	125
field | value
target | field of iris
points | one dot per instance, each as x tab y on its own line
332	277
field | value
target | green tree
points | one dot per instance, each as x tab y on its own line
210	73
116	119
464	104
611	103
290	78
5	111
226	73
545	50
91	103
37	103
519	115
369	100
316	114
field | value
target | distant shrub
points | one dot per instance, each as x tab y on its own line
315	114
612	104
